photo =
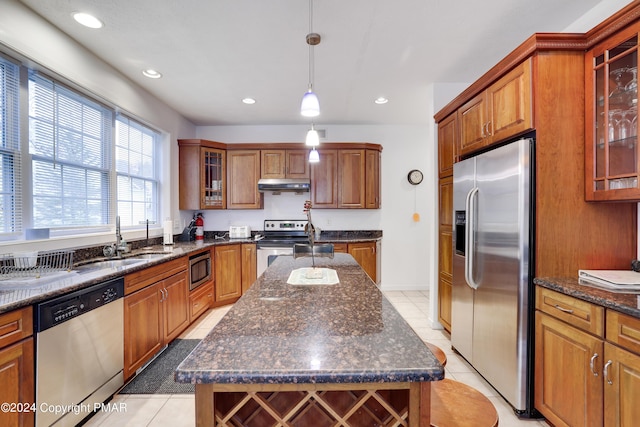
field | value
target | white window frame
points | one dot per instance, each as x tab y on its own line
137	164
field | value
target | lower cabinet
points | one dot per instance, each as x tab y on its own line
200	299
17	366
228	273
153	317
367	254
249	265
587	363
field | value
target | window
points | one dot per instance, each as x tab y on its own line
70	140
136	169
10	177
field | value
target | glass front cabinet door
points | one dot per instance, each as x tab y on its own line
611	97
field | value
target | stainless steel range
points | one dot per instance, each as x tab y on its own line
279	238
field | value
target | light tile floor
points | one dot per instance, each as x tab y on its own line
178	409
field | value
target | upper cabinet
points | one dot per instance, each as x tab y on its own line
611	95
447	144
284	164
214	175
324	180
372	179
202	174
243	173
502	110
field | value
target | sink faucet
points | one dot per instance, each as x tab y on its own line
119	247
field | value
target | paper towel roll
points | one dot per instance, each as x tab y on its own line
168	232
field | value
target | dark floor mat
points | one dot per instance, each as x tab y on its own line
157	378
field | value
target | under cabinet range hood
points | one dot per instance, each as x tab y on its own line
278	185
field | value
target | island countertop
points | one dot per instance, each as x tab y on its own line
288	334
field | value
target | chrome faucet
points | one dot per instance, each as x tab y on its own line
118	234
119	247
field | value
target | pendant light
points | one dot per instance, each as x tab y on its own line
314	156
310	106
313	139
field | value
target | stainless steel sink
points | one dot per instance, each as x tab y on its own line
147	257
114	264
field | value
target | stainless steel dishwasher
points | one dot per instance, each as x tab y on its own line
79	352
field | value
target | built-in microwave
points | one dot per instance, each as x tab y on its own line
199	269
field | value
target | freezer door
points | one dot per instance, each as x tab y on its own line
502	260
461	294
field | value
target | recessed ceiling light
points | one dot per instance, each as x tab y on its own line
381	100
249	101
152	74
87	20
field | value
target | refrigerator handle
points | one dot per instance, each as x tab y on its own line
470	238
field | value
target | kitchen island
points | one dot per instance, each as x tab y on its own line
312	355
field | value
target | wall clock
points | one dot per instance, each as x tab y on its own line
415	177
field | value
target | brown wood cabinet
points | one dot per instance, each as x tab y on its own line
324	180
445	251
503	110
214	175
17	366
611	103
202	174
228	273
200	299
447	145
249	265
351	179
284	164
561	212
587	362
372	179
156	310
366	254
243	173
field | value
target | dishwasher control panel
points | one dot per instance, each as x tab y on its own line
60	309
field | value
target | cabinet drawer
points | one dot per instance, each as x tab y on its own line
623	330
15	326
148	276
581	314
200	300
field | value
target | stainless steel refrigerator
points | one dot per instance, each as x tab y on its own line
491	322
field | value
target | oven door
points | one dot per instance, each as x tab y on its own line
266	255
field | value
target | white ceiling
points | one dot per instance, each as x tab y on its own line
214	53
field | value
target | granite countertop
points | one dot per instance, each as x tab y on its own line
281	334
627	303
16	294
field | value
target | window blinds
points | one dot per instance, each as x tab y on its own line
70	139
10	160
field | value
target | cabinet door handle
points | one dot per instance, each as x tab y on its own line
606	371
489	128
564	310
484	133
592	364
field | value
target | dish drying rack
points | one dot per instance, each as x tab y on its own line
18	266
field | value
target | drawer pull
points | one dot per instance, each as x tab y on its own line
592	364
564	310
606	371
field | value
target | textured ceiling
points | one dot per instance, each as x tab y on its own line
213	53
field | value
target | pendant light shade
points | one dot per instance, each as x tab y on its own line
310	105
313	139
314	156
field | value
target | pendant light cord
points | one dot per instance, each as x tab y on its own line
311	53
